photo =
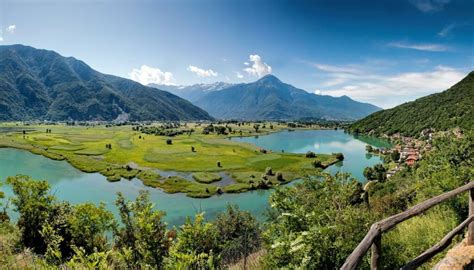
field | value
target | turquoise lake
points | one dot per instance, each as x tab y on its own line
68	183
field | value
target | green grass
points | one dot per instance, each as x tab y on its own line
206	177
85	149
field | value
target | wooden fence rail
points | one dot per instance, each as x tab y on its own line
374	236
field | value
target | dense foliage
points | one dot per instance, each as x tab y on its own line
313	224
60	234
310	224
441	111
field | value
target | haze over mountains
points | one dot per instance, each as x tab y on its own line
40	84
441	111
193	92
270	99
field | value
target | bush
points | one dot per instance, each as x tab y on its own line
309	223
142	240
239	234
269	171
279	177
317	163
310	154
339	156
169	141
196	247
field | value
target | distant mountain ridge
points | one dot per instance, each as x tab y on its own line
270	99
43	85
192	92
441	111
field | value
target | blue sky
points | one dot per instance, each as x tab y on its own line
382	52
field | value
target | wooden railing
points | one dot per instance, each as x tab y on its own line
374	236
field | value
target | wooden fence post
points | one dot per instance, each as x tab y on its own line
376	252
470	228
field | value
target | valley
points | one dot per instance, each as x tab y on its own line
179	164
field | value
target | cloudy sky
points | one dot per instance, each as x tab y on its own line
382	52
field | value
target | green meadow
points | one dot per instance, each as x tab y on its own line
123	152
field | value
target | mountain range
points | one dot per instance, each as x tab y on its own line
38	84
193	92
270	99
43	85
441	111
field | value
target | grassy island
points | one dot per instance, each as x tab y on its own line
164	155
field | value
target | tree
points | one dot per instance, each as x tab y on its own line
395	155
268	171
369	148
239	234
142	240
279	176
310	154
368	173
196	247
256	127
89	225
339	156
33	203
377	172
317	163
309	222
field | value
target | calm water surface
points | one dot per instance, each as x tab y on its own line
68	183
323	142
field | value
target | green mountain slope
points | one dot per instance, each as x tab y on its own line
271	99
451	108
39	84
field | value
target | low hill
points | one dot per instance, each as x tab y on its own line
441	111
43	85
271	99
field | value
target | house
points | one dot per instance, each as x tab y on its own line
411	159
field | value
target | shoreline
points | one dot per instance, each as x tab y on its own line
177	184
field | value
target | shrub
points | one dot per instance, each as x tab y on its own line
317	163
268	171
279	176
339	156
310	154
142	240
239	234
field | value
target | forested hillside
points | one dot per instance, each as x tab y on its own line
43	85
451	108
271	99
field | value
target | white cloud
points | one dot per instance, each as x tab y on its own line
202	72
430	6
420	47
338	69
258	68
239	75
317	92
147	75
337	79
246	63
11	29
401	87
446	30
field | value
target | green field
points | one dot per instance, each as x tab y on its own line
135	154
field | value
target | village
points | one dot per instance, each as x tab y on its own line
407	151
